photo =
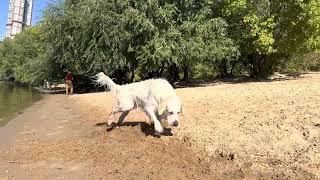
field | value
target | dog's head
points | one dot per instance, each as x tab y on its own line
173	111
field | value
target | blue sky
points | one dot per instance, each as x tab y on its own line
38	6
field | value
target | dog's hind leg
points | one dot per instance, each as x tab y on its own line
124	107
112	114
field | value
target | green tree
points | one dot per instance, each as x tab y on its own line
25	59
148	38
6	57
270	30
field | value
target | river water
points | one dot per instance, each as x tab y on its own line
14	99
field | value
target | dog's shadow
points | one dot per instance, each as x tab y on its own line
146	128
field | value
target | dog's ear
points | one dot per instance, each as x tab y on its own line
181	109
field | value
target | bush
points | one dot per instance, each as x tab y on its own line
298	63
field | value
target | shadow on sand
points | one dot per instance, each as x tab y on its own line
237	80
146	128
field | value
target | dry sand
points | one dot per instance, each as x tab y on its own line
269	127
254	130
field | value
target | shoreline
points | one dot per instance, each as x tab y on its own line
16	101
50	91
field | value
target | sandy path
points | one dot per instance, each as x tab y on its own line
49	120
270	127
52	140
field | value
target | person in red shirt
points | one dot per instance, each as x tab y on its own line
69	85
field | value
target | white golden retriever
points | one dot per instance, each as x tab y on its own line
147	95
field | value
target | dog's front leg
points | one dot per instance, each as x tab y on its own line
158	115
157	125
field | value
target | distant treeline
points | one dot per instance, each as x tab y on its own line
180	40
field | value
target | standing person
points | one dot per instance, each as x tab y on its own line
69	79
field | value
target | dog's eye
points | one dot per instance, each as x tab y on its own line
178	112
170	112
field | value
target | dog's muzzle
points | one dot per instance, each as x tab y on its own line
175	123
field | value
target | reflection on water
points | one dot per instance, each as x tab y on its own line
14	99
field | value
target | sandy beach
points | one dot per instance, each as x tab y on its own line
249	130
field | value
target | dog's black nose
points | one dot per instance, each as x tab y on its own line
175	123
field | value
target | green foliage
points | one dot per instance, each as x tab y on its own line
25	59
152	36
262	33
6	58
305	62
265	29
312	10
138	39
201	71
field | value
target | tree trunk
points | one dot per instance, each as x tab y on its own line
160	73
232	68
223	68
186	71
132	74
259	66
173	73
176	76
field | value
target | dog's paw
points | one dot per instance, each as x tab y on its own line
159	129
110	123
111	127
157	134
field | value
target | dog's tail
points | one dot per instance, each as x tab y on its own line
103	79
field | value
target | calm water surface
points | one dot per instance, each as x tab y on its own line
14	99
